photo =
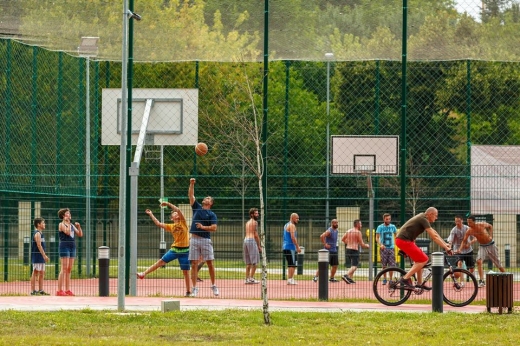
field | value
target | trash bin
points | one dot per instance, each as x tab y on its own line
423	244
499	291
299	261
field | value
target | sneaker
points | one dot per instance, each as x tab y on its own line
333	280
246	281
187	294
384	281
424	287
346	279
35	293
291	282
315	279
350	280
69	293
140	275
43	293
61	293
194	291
481	283
253	281
199	279
406	283
214	288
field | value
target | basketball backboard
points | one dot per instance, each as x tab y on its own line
173	118
354	155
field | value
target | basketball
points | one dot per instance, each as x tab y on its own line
201	149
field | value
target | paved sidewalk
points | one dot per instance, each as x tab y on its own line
54	303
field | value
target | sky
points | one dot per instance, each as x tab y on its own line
470	6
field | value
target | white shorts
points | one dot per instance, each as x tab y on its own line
40	267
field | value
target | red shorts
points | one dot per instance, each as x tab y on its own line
412	250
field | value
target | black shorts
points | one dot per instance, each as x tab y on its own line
290	257
354	257
333	259
468	258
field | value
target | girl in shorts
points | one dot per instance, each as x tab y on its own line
67	250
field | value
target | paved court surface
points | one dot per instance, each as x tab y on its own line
55	303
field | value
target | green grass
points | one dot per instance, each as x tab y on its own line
241	327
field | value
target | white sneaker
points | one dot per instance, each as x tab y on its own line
253	281
194	292
214	288
481	283
291	282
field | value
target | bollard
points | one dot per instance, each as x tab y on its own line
162	251
323	275
437	282
508	255
52	248
26	250
104	266
299	260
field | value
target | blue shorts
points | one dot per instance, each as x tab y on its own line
182	256
67	250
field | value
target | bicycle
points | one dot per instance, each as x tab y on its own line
460	286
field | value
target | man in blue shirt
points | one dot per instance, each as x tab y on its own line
385	238
204	222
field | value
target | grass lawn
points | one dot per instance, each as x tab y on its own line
88	327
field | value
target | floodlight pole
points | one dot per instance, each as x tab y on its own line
87	49
123	166
87	167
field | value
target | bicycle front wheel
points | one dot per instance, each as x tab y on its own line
460	287
384	287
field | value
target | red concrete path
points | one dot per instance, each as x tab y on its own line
54	303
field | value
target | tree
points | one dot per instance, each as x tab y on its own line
237	131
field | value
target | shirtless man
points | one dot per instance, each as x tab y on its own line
353	239
483	231
252	247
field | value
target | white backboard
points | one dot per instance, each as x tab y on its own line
173	116
354	155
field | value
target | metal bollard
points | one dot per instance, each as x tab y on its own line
104	268
52	249
323	269
26	250
299	261
162	251
437	288
508	255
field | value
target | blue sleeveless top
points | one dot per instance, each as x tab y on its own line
287	240
36	256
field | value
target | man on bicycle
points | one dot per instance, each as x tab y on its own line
405	240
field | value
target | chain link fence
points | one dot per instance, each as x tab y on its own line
452	107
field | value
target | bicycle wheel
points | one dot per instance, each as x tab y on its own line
387	293
461	289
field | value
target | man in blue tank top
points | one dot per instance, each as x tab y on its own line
290	247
